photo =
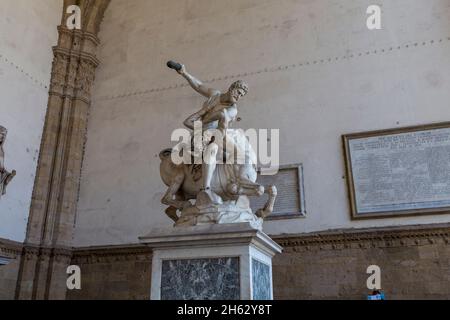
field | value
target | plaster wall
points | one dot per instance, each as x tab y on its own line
27	34
315	72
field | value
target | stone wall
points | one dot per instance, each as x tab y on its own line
9	273
415	264
113	273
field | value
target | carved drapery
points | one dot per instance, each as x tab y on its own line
48	245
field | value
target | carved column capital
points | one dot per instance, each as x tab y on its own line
74	64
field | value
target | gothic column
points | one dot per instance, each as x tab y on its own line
48	245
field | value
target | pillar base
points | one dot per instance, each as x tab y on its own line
212	262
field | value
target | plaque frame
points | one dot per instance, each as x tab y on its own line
355	215
301	213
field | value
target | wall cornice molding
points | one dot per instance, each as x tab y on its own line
111	254
367	238
34	250
13	249
10	249
331	240
404	236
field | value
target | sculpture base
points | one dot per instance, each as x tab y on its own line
228	212
212	262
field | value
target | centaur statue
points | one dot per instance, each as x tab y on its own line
220	188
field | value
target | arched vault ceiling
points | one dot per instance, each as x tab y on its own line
92	10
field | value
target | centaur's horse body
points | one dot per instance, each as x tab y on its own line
230	181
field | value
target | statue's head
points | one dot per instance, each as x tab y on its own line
3	133
238	90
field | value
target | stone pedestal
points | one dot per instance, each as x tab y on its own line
212	262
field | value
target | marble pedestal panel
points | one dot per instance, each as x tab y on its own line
211	262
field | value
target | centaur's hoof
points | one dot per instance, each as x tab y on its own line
172	213
262	213
272	191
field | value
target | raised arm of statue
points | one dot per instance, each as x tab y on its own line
196	84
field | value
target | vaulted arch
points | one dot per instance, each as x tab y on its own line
92	13
47	249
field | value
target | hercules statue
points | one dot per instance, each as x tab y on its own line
221	193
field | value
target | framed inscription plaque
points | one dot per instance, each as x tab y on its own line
399	172
290	202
